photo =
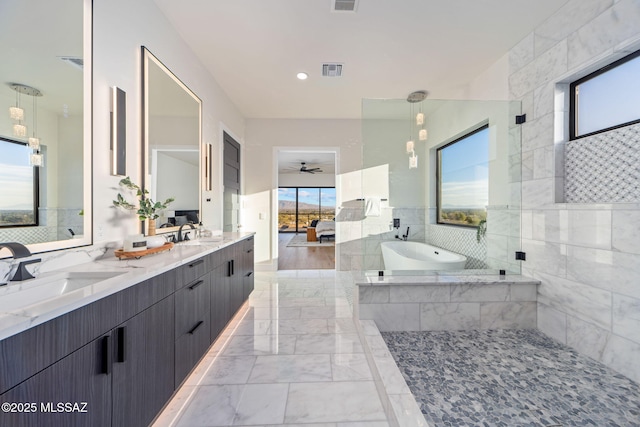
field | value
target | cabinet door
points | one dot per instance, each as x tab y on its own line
193	325
143	365
220	300
75	391
247	267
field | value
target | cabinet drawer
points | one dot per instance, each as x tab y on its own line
192	304
190	347
193	270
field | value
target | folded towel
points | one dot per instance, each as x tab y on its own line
372	206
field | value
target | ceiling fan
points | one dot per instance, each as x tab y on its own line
304	168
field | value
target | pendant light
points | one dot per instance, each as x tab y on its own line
414	97
16	113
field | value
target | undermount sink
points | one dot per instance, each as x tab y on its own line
20	296
202	241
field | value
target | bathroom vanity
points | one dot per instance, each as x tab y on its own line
117	357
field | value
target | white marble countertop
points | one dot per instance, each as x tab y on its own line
439	278
19	312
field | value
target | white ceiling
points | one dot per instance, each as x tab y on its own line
289	162
254	48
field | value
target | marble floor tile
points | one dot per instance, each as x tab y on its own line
291	356
271	312
333	402
341	326
301	326
350	367
295	368
212	405
243	345
261	404
328	343
326	312
225	370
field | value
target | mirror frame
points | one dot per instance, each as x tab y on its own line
87	144
148	57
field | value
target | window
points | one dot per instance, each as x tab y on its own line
298	206
606	99
18	185
463	179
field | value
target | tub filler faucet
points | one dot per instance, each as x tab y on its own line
404	236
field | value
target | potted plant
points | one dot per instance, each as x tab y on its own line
148	210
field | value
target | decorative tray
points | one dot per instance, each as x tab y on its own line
120	253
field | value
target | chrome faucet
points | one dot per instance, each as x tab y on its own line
182	238
17	270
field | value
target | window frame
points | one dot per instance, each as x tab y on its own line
36	190
573	99
480	128
297	188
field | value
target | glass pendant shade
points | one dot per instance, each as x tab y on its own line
419	119
422	135
34	143
19	130
410	146
16	113
413	162
36	159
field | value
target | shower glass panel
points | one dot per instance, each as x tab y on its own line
476	183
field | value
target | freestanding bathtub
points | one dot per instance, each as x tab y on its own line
401	255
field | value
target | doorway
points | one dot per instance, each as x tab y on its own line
306	203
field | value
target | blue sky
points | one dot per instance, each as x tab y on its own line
16	177
604	100
465	172
309	195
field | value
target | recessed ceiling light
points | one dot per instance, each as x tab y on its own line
302	76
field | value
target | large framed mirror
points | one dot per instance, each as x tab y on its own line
172	154
45	123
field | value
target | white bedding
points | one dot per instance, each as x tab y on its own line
325	228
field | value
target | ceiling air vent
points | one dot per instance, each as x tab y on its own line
331	70
344	5
73	60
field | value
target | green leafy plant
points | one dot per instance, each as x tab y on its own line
147	209
481	230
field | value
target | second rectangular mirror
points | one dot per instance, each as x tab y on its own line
171	144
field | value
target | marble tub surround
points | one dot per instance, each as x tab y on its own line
510	378
26	310
291	356
447	302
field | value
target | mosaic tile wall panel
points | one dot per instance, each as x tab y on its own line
604	168
461	241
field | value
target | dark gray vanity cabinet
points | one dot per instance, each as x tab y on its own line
123	355
78	379
220	293
247	267
124	373
193	318
143	365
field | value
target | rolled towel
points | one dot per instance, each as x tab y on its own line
372	206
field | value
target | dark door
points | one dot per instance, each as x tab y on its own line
231	182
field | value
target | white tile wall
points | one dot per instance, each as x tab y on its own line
585	255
